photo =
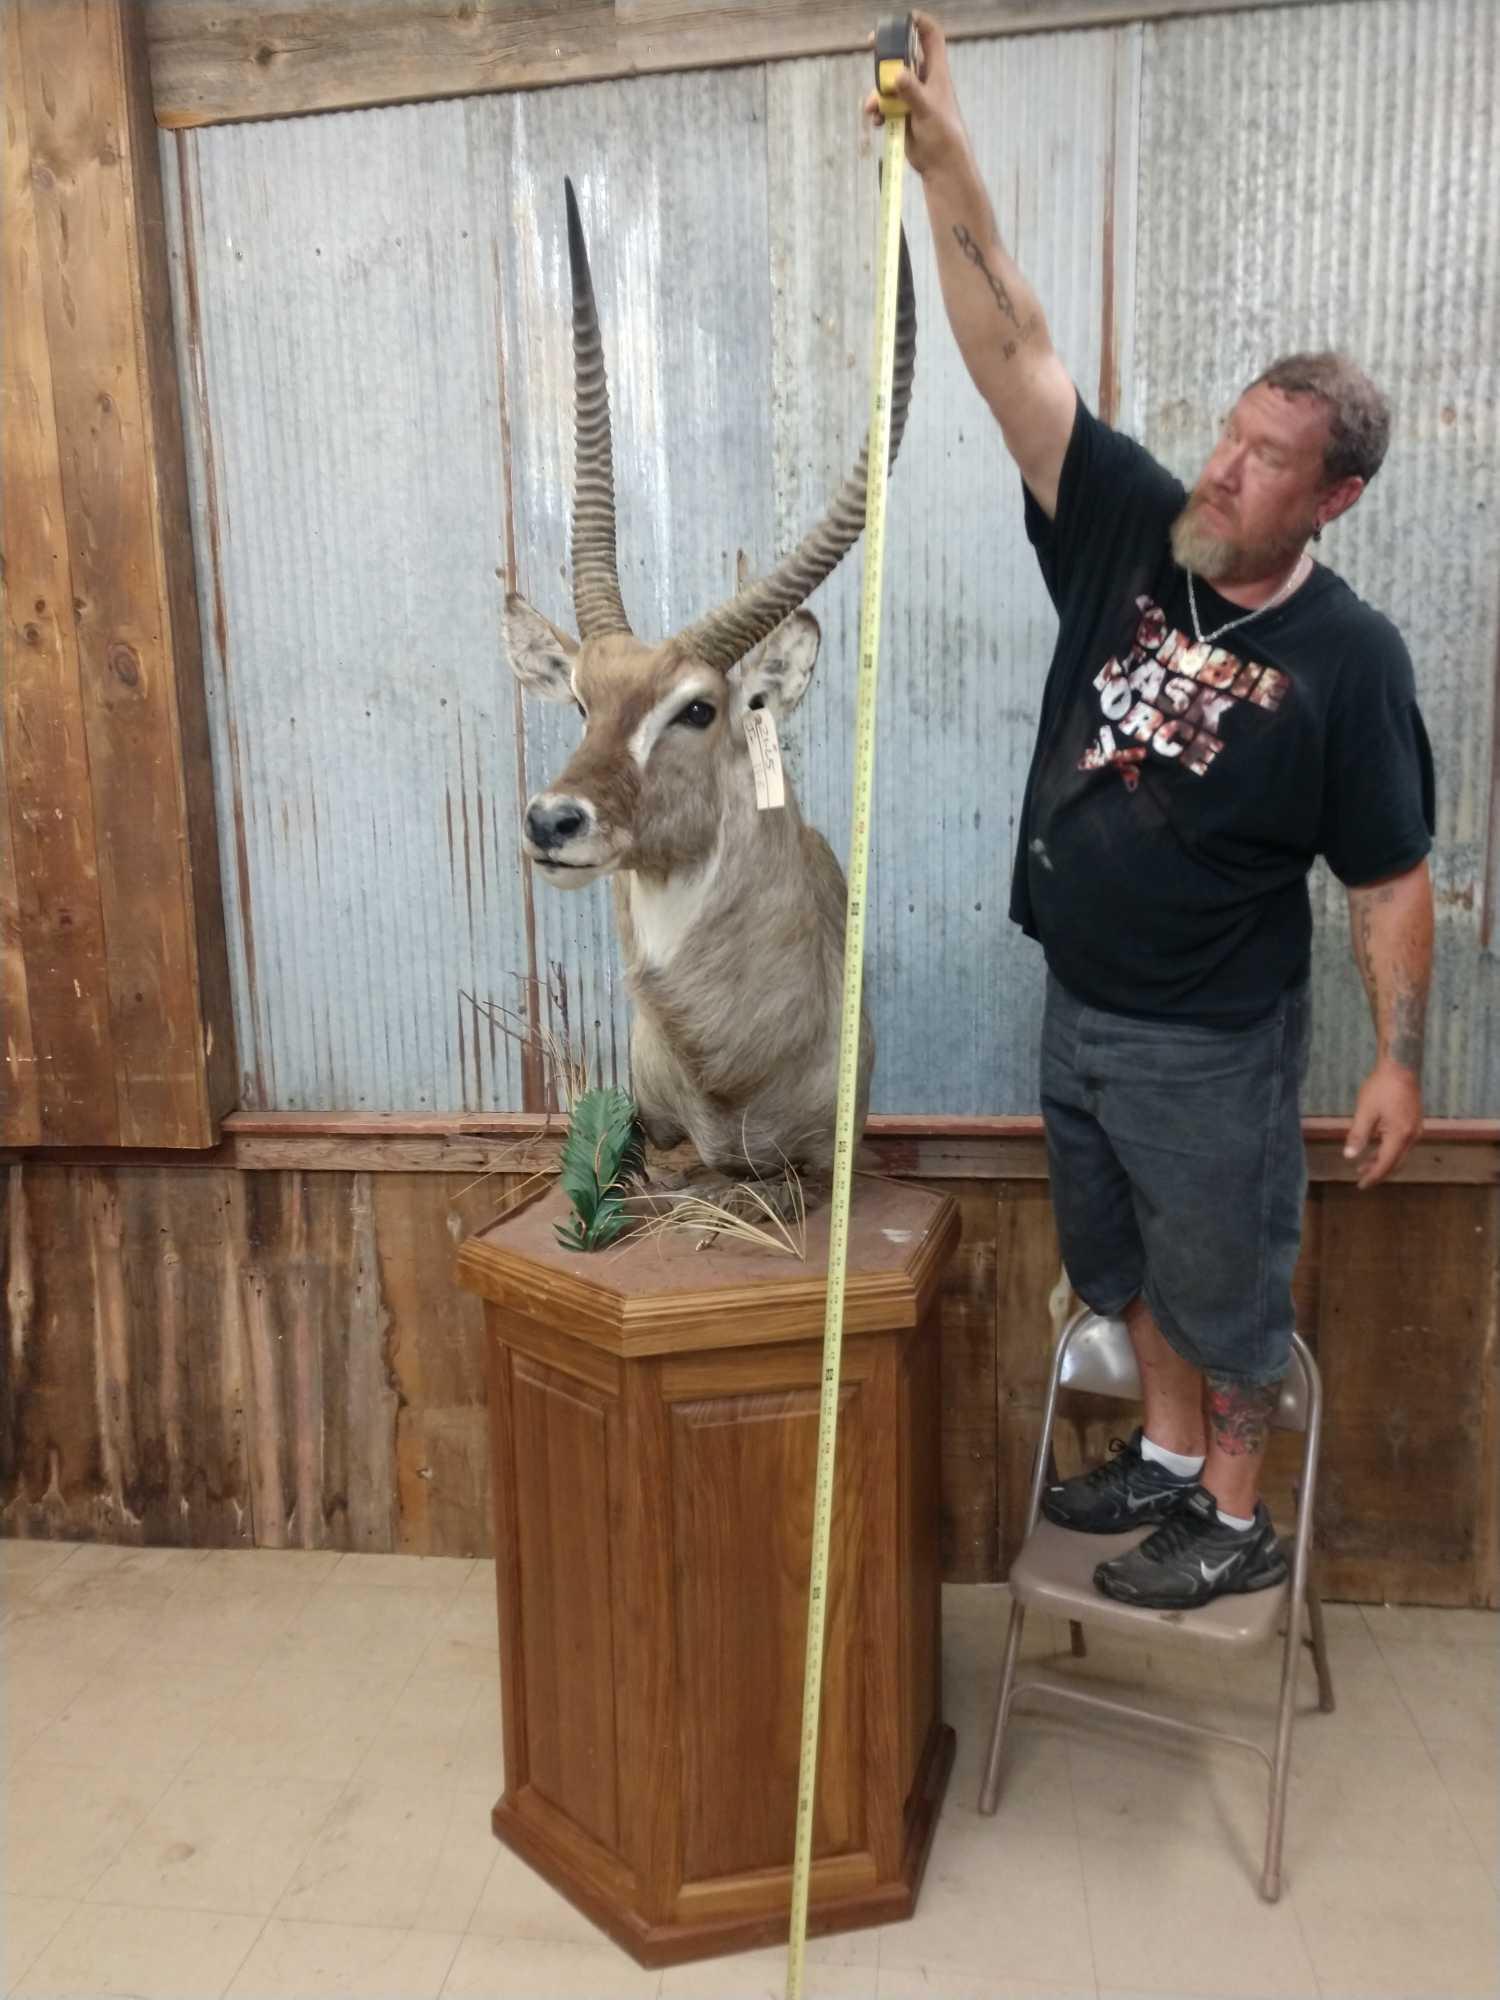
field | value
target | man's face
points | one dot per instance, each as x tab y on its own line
1258	498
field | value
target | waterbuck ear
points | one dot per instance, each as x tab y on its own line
775	673
541	657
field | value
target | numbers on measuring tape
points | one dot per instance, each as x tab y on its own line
868	655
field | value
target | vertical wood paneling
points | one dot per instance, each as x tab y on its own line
123	1388
562	1443
504	1519
1410	1293
1027	1263
89	241
118	906
652	1750
20	1096
216	1358
60	1061
922	1395
221	1358
968	1502
750	1603
433	1347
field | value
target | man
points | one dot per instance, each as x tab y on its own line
1220	710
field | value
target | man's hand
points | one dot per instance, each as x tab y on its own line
935	134
1387	1122
996	317
1390	923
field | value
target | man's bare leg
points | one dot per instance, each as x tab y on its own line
1173	1389
1238	1416
1189	1412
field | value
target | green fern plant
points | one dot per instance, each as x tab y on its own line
604	1152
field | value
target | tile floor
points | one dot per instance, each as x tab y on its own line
259	1775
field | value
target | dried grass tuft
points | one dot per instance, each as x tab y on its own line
690	1212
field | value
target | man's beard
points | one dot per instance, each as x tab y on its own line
1222	559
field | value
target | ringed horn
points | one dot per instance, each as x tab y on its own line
728	633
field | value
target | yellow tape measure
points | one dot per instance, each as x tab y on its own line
895	43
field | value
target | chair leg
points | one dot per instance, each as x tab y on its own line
1078	1644
1319	1649
1270	1880
989	1791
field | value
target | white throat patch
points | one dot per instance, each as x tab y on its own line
663	913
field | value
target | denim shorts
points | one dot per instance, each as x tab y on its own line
1178	1173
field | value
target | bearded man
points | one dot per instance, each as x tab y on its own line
1220	710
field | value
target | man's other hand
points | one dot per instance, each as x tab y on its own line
1387	1122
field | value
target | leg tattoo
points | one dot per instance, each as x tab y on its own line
1240	1413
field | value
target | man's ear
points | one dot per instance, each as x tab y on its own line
1339	498
541	657
776	673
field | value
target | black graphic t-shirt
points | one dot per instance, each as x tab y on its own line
1179	792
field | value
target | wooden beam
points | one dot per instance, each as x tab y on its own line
59	1053
1451	1152
119	912
20	1098
218	60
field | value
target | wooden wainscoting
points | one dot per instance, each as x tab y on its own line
270	1348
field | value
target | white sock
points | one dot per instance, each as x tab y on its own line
1240	1521
1174	1461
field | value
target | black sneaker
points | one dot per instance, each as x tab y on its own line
1126	1491
1194	1558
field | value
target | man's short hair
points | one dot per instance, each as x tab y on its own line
1359	417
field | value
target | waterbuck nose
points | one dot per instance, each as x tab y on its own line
550	822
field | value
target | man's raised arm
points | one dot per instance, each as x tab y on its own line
996	317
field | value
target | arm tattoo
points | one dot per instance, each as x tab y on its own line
975	256
1409	1027
1408	1011
1240	1413
1363	903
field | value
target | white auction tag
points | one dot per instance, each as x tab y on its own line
765	758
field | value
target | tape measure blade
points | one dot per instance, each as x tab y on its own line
878	473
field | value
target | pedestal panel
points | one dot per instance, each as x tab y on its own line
654	1423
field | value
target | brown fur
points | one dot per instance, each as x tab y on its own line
731	920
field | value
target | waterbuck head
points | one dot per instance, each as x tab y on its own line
663	751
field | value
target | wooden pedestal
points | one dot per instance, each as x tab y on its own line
654	1416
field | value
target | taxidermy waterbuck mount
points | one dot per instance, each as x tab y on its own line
731	918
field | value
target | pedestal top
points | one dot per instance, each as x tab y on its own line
665	1294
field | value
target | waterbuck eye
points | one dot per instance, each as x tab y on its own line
697	715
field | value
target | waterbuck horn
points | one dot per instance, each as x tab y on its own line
727	634
596	581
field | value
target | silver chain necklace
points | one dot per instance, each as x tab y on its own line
1207	638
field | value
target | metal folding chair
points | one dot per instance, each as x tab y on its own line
1054	1573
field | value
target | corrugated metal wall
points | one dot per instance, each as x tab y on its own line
372	312
1330	176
